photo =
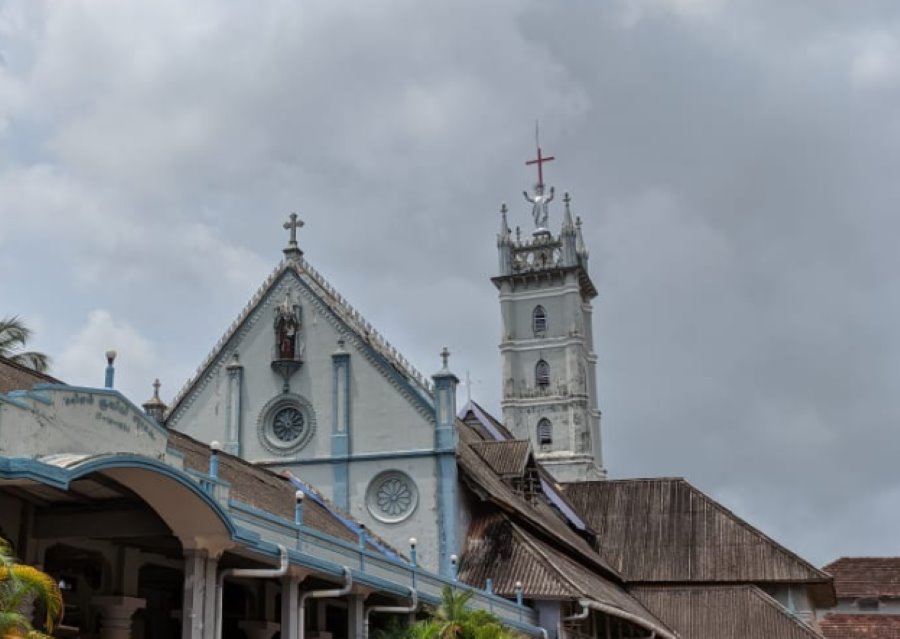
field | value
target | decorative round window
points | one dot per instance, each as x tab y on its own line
392	496
286	424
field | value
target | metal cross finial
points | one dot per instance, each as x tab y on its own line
540	157
292	225
156	386
445	356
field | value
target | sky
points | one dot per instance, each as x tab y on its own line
734	164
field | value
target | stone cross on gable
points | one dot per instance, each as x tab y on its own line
292	225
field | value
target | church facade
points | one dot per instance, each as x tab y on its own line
411	492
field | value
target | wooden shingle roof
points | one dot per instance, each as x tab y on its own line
857	577
665	530
500	550
722	612
506	458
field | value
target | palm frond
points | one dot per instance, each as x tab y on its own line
33	360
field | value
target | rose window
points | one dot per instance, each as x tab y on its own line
288	424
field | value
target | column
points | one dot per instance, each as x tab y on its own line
234	389
355	616
340	428
445	446
115	615
290	615
198	605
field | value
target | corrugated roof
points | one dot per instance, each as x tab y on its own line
506	458
853	626
856	577
653	530
500	550
14	376
722	612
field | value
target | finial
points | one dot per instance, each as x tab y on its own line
445	356
566	198
518	234
110	357
293	250
156	386
578	221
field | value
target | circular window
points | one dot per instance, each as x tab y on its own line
392	496
286	424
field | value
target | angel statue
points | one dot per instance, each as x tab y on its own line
539	210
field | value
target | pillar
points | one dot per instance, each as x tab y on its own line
549	617
198	605
115	615
340	427
355	616
445	384
290	615
234	390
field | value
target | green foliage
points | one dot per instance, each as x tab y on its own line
14	335
19	584
452	619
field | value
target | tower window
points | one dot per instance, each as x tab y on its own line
542	374
539	321
545	432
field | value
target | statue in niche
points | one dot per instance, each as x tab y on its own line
287	329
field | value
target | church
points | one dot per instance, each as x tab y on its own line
305	443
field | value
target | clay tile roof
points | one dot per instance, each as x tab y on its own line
14	376
500	550
506	458
722	612
853	626
856	577
665	530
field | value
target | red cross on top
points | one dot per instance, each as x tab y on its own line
540	159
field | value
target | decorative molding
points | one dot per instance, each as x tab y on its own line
301	418
392	497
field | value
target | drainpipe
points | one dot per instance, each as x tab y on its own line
250	573
414	603
319	594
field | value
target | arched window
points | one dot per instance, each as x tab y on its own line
542	374
545	432
539	321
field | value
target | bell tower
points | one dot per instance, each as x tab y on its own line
549	387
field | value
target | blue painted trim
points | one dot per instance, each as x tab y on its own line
422	452
110	392
15	401
30	394
25	468
340	432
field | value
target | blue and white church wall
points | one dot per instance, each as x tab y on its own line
351	417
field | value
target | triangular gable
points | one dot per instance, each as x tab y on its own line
411	383
666	530
499	550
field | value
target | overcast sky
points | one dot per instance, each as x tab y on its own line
735	164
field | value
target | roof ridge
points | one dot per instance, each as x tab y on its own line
529	543
345	311
754	530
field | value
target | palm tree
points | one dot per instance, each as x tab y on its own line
19	585
13	337
451	619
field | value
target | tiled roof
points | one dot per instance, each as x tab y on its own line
722	612
665	530
853	626
14	376
538	516
506	458
856	577
269	492
500	550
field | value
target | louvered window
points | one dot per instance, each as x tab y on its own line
539	321
545	432
542	374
